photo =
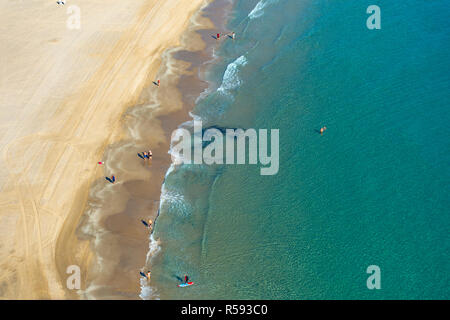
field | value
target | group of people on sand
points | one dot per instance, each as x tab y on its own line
146	155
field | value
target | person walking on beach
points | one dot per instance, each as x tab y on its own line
149	275
218	36
147	155
159	82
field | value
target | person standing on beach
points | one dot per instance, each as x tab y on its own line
149	275
149	154
150	223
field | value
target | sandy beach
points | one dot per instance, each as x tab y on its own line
63	94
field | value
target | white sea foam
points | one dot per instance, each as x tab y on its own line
231	78
258	10
194	117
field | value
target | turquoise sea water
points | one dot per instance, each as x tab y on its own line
373	190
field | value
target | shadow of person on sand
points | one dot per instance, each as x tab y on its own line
141	156
155	83
109	179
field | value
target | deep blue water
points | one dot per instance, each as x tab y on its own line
372	190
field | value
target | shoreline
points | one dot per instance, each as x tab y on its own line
192	86
68	90
111	222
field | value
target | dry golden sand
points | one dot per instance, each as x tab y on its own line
62	94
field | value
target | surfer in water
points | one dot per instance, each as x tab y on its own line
322	130
186	279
